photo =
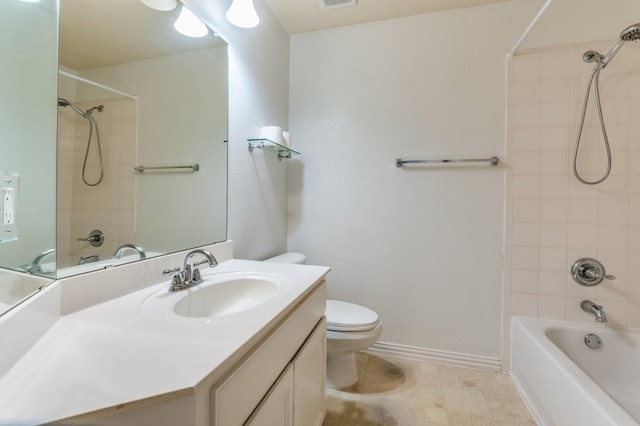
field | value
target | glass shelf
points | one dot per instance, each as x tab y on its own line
283	151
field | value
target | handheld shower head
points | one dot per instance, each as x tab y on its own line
631	33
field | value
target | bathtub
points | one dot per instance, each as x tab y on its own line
566	383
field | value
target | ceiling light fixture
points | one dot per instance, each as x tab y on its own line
243	14
30	1
162	5
189	24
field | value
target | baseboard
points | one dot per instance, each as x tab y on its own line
435	356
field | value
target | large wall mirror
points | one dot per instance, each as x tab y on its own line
134	93
27	142
131	92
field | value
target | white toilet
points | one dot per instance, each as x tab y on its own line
351	328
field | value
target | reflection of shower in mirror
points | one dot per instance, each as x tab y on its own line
96	181
93	124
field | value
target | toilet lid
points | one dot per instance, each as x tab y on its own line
345	316
290	257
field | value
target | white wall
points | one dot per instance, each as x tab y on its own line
258	96
422	247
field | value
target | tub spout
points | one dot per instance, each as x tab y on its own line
596	310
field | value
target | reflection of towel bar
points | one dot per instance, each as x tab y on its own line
493	160
141	169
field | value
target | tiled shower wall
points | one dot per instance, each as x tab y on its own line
109	206
551	219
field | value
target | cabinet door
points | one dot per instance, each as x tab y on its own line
276	409
310	366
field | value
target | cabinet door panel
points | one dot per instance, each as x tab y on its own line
236	397
276	409
309	379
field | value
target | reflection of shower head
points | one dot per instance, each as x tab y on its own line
62	102
630	33
100	108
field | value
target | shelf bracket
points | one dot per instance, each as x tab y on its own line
283	151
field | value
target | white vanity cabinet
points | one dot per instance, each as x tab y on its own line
282	380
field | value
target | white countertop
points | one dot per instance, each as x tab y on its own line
113	353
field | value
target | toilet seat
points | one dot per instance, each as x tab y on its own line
345	316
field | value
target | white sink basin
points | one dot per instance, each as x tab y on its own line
219	295
224	298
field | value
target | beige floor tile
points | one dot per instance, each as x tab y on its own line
466	401
398	392
459	419
436	415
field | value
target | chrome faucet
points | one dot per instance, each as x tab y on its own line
88	259
592	308
35	266
189	275
124	247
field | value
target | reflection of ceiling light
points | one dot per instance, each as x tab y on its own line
190	25
242	14
163	5
31	1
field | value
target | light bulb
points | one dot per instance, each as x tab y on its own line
163	5
189	24
243	14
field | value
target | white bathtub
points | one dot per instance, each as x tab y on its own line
566	383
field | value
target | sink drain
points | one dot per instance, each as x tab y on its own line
593	341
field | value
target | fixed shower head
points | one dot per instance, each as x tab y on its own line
631	33
63	102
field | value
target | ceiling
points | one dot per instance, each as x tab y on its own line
301	16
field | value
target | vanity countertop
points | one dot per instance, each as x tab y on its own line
113	354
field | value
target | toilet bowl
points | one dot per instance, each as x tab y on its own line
351	328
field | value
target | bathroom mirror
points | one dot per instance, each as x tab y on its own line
136	93
164	103
27	141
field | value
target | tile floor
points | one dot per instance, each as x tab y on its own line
398	392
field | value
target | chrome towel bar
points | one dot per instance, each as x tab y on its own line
493	161
141	169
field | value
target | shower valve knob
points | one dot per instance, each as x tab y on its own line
589	272
95	238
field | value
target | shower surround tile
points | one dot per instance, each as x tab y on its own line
554	218
83	208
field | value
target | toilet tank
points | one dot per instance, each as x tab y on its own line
290	257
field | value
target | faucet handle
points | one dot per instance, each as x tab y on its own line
172	272
202	262
196	276
178	281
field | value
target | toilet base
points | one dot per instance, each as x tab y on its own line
341	370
